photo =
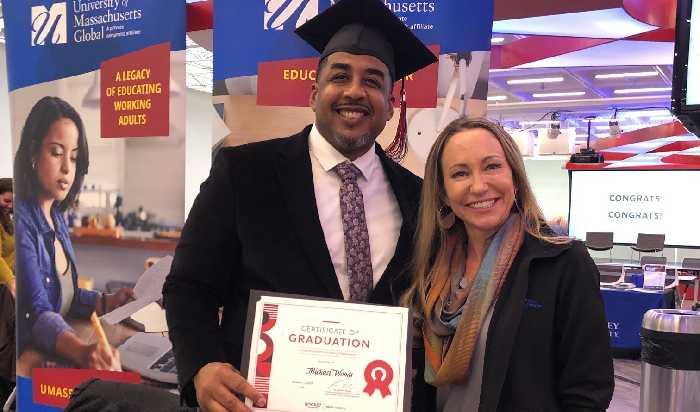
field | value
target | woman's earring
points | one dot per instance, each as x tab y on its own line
515	201
447	218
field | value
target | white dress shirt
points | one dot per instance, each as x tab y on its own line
382	211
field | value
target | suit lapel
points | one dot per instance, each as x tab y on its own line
296	181
407	204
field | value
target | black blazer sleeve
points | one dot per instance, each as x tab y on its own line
199	281
583	354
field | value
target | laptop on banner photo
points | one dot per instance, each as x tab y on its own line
150	355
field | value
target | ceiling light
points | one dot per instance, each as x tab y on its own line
642	90
623	75
558	94
495	40
536	80
497	98
606	127
584	135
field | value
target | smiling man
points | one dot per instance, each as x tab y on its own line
322	213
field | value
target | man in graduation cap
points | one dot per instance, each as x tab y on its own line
322	213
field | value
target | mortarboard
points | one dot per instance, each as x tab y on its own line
368	27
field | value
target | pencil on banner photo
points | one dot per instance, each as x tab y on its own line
101	336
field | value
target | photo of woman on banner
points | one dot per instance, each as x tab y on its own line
50	165
512	316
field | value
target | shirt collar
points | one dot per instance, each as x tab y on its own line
329	157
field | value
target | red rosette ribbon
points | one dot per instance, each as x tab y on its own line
378	375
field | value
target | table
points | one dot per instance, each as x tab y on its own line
625	309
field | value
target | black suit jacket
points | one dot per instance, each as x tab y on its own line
255	225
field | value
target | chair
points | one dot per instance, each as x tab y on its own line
102	395
693	264
600	241
652	260
649	242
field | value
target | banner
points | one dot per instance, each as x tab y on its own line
263	73
97	98
455	26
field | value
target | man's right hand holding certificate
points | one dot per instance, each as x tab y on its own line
217	385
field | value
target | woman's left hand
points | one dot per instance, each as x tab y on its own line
115	300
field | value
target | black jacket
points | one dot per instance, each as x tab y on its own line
255	225
548	347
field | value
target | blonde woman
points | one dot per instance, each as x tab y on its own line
511	315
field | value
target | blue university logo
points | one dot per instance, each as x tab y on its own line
49	25
288	14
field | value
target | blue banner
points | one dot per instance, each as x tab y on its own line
247	32
625	310
50	40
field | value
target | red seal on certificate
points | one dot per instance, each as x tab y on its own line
378	375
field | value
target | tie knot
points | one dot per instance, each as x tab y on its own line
347	171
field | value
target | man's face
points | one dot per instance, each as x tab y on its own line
352	100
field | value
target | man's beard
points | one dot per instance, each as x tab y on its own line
346	145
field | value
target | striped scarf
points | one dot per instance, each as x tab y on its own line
448	351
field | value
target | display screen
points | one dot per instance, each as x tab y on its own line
693	77
631	202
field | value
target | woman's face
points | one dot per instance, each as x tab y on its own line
56	160
478	181
6	201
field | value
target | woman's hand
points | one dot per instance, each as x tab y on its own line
108	302
99	356
84	355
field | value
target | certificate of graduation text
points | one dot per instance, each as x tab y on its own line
314	355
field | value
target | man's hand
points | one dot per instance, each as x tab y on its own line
217	386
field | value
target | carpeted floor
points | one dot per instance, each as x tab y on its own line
628	374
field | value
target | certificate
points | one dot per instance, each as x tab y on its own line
306	354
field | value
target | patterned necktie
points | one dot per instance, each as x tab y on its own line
357	254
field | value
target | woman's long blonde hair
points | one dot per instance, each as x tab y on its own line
431	240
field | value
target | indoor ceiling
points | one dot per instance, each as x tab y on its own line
634	96
531	94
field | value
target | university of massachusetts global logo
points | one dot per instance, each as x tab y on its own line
49	24
288	14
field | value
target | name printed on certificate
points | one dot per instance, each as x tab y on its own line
310	355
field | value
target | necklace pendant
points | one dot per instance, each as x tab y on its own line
462	284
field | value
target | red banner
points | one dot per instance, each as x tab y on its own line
54	386
135	93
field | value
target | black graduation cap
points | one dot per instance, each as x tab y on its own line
368	27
